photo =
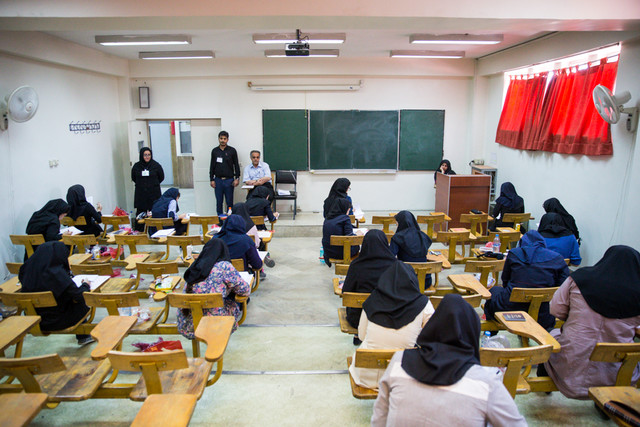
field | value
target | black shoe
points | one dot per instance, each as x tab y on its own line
356	340
86	340
269	262
263	275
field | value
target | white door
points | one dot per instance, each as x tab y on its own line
160	135
204	137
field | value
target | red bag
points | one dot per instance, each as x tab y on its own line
163	345
119	212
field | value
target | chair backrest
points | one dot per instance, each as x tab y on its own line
102	269
196	303
431	221
534	296
238	264
79	240
346	242
341	269
286	177
149	364
517	218
183	242
386	222
13	267
27	240
25	369
474	300
484	268
155	269
373	358
508	239
478	223
205	222
157	223
68	221
514	359
111	301
626	353
354	299
27	302
132	240
424	268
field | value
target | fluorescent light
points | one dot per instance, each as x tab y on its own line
427	54
456	39
317	53
161	39
278	38
305	87
184	54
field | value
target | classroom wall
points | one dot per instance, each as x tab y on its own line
66	95
601	192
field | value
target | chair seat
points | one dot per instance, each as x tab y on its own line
291	196
191	380
360	392
79	381
144	327
166	410
18	409
345	326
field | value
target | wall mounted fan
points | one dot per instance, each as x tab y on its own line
19	106
610	106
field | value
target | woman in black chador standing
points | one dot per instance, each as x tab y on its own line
147	174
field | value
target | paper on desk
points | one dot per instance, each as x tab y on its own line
284	192
163	233
94	280
264	234
246	276
247	187
262	254
73	230
361	231
357	212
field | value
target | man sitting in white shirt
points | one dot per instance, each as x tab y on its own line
258	174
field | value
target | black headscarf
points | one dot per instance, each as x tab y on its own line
257	200
612	286
339	207
374	259
47	216
509	198
147	187
241	209
552	226
233	234
47	270
76	200
338	191
161	206
447	346
396	300
554	205
409	236
449	171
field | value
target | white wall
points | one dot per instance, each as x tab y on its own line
601	192
66	95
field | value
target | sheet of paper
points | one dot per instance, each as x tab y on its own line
163	233
246	276
94	280
247	187
262	254
283	192
357	212
263	234
74	231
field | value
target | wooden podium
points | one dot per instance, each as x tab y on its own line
458	194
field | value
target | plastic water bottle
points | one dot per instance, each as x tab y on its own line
496	341
95	252
486	336
496	244
321	257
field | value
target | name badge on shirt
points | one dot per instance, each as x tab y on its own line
145	173
219	159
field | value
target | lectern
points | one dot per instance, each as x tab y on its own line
458	194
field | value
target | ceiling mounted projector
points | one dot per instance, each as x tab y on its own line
298	48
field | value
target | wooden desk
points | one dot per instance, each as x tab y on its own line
18	409
215	332
115	285
13	330
166	410
10	286
529	329
468	282
160	296
109	333
630	396
79	258
439	258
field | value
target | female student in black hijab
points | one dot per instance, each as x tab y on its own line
446	354
392	317
365	271
337	223
147	174
445	168
508	202
48	270
46	221
79	207
554	205
409	243
559	238
598	304
338	191
167	207
258	205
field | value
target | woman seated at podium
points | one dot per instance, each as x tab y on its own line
338	191
392	317
167	207
409	243
530	265
441	380
598	304
212	272
79	207
445	168
240	245
508	202
337	223
554	205
559	238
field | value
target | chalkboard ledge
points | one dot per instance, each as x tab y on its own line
353	171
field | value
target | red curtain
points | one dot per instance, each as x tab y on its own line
563	120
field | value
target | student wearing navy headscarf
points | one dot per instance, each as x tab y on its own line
167	207
508	202
530	265
410	243
559	238
240	245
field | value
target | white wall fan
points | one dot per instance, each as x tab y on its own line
610	107
19	106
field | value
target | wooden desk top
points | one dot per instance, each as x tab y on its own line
439	258
14	328
10	286
115	285
109	333
215	332
529	328
469	282
166	410
160	296
446	217
79	258
630	396
506	229
18	409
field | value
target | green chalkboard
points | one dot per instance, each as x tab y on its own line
421	137
284	138
353	139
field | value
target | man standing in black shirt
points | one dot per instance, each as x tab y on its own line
224	171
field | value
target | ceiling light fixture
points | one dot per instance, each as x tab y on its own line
456	39
427	54
278	38
185	54
305	87
316	53
161	39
